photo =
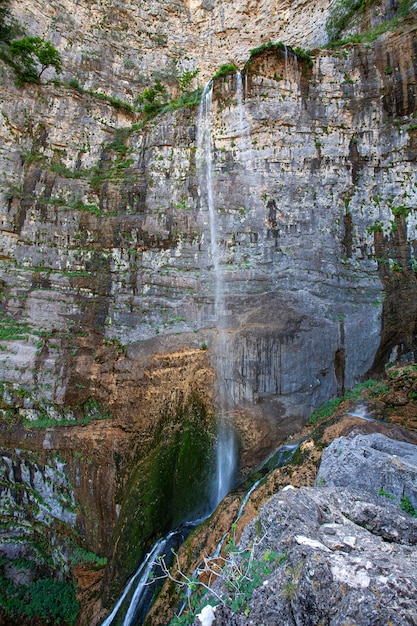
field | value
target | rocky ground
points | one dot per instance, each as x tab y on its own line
347	540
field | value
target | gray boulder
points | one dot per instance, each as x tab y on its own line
372	463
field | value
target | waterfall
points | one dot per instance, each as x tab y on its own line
286	61
226	451
244	130
141	576
279	458
239	96
244	125
133	610
225	469
294	62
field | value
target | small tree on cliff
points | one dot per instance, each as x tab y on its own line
32	56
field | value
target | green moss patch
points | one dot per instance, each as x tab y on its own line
50	600
169	486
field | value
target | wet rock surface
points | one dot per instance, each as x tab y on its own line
350	554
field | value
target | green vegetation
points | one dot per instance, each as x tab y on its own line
327	409
11	330
152	99
188	99
170	484
47	599
90	410
185	80
46	414
301	54
243	573
401	211
384	493
80	555
32	56
225	70
267	46
29	57
377	227
9	28
116	102
240	572
304	55
342	14
406	506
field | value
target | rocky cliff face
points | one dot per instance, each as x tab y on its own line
107	286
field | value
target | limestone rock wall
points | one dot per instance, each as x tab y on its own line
340	551
119	46
104	229
107	290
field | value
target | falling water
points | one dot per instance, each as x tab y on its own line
279	458
205	165
244	125
239	96
225	440
290	59
361	410
133	610
286	61
140	577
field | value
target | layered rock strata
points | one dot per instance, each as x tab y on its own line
107	288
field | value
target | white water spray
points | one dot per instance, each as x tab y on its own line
225	440
139	578
244	129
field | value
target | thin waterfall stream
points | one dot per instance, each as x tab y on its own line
226	451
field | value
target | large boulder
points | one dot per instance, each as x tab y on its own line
373	463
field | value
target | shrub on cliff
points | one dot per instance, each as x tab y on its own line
32	56
29	57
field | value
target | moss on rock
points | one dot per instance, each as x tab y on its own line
166	488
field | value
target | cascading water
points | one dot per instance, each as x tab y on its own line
291	59
279	458
239	97
225	470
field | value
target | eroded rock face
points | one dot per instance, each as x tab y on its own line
118	47
349	553
120	246
106	270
